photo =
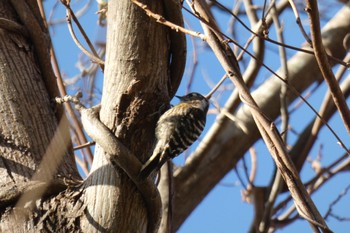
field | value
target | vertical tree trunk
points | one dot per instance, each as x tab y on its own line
28	126
135	86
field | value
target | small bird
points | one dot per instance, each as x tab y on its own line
176	130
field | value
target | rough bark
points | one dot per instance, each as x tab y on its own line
34	147
135	87
141	76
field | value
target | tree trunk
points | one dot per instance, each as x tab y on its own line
35	149
135	87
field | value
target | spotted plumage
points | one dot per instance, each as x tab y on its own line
176	130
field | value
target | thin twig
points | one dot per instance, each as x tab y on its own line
291	88
267	39
315	183
208	96
297	93
269	133
333	203
254	66
323	63
160	19
278	181
84	145
297	17
62	91
317	124
284	70
80	12
77	42
94	55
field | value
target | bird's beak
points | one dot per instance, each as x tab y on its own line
179	97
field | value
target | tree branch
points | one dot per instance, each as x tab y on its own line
226	142
305	205
119	157
323	63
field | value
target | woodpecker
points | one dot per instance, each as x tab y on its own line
176	130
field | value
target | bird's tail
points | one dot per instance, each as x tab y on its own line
151	165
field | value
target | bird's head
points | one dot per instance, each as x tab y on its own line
196	99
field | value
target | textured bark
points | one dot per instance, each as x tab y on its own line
138	85
29	131
135	87
138	79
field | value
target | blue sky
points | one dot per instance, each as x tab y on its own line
223	209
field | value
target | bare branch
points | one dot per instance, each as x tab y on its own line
278	181
305	205
340	196
62	91
323	63
94	56
296	13
160	19
120	157
214	154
